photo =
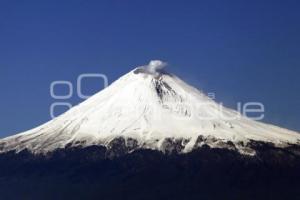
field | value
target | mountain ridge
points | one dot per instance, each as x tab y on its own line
95	172
150	106
143	138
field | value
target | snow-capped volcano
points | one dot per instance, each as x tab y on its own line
148	106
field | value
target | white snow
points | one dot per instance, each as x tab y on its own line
148	105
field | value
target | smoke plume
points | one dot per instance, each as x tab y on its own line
154	66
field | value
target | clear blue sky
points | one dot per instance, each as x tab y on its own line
241	50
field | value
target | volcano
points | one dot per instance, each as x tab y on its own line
149	106
152	131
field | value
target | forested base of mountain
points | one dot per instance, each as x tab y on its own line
204	173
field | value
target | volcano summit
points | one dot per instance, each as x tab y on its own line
148	107
149	123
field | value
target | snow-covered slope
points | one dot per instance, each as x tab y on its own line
147	105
